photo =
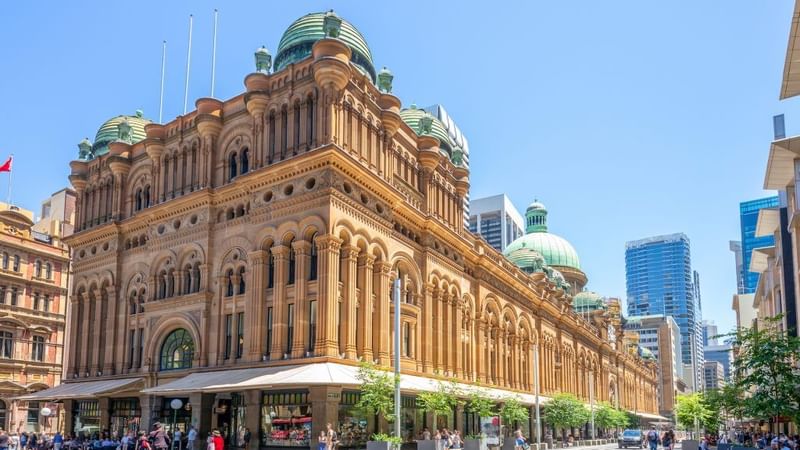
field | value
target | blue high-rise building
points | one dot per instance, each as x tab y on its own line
748	218
660	281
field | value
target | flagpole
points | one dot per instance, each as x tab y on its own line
188	67
214	54
10	171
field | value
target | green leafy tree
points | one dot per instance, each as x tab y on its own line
513	412
767	372
440	402
566	411
622	419
377	391
606	416
713	401
478	402
692	411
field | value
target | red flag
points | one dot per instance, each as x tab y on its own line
6	167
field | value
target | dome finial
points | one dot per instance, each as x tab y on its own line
536	218
385	78
263	60
331	24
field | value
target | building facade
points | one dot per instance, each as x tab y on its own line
661	336
736	248
497	220
34	273
748	218
721	353
713	375
240	258
660	281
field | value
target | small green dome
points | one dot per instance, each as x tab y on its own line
556	250
297	40
646	354
412	116
588	301
110	131
527	259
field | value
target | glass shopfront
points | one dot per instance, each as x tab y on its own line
86	418
230	417
285	419
126	415
352	422
173	419
412	418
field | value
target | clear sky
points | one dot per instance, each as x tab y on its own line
626	118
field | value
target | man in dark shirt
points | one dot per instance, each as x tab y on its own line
3	440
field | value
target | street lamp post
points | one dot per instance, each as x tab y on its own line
175	404
591	397
536	393
46	412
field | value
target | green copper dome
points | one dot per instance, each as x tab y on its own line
557	251
413	116
646	354
297	40
587	301
527	259
128	129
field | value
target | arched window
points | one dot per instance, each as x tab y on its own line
3	411
187	280
177	351
196	278
171	283
138	201
48	271
312	267
290	278
37	269
142	295
241	280
245	161
5	261
232	170
229	276
146	196
406	340
134	303
271	270
310	123
16	263
162	285
271	154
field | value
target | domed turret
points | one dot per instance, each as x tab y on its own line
588	301
297	40
129	129
557	251
423	123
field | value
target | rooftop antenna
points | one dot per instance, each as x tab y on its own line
188	66
163	68
214	53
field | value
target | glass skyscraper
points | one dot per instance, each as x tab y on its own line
660	281
748	218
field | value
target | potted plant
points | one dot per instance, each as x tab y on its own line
481	405
383	441
439	402
377	399
512	412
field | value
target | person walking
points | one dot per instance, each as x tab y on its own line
652	438
666	440
58	441
159	437
519	440
246	437
4	440
219	443
333	438
191	438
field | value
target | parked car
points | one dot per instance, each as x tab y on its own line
631	438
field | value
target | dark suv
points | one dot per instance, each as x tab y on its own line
631	438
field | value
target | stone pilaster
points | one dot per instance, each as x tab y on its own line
279	313
328	285
365	263
348	322
254	309
302	251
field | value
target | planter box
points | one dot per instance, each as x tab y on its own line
690	444
379	445
473	444
427	444
508	444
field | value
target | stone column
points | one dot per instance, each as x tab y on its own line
365	263
458	367
437	329
254	308
348	322
383	328
301	324
97	334
427	328
111	331
252	415
215	330
328	285
279	309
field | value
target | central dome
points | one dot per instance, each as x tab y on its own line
112	130
557	251
297	40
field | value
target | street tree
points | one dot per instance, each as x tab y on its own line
566	411
440	402
692	411
377	392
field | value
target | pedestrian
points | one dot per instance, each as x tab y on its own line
142	443
159	437
323	440
210	441
14	441
219	443
666	440
58	441
191	438
652	438
246	438
4	440
177	436
426	434
333	437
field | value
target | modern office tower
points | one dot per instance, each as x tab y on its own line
496	219
710	331
661	336
721	353
736	248
713	375
660	281
748	218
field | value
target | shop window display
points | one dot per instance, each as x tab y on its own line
126	415
352	422
86	418
286	419
412	420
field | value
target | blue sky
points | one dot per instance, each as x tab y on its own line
626	118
